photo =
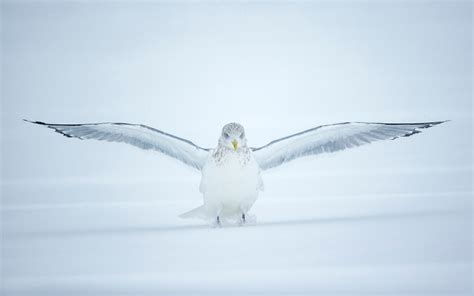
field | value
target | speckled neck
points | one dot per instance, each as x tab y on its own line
222	153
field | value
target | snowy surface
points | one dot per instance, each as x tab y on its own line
93	218
343	244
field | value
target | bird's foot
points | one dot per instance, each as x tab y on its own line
217	223
242	220
248	220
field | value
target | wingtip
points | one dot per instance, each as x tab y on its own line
439	122
35	122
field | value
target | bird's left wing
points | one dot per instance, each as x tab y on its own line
138	135
331	138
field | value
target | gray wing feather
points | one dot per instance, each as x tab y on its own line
332	138
138	135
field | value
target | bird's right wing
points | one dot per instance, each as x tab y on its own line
332	138
138	135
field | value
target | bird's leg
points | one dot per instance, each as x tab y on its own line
243	210
218	218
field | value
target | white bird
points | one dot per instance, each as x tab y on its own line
231	178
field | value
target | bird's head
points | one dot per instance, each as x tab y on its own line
233	136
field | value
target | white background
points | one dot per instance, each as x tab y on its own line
86	217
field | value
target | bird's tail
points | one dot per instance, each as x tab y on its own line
199	212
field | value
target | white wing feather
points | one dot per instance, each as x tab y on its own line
138	135
332	138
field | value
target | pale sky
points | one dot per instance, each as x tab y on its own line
187	69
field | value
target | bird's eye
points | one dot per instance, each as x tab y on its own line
226	136
241	136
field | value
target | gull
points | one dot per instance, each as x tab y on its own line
231	172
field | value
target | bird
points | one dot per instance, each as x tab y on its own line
231	172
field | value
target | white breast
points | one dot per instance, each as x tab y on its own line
230	186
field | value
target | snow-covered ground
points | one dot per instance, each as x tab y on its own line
94	218
407	244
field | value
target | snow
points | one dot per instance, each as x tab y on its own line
398	244
94	218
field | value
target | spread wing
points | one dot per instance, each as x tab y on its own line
138	135
332	138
